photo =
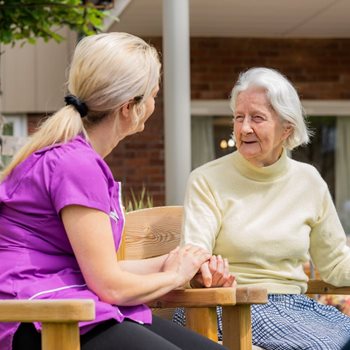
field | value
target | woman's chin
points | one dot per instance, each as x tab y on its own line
249	152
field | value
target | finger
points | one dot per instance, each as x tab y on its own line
175	250
227	273
226	276
213	263
230	282
201	254
193	249
222	270
195	256
206	275
220	264
196	252
220	273
219	282
203	258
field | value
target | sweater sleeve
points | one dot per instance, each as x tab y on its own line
328	248
202	218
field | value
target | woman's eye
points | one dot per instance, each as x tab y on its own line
258	118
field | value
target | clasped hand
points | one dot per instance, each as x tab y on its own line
195	264
214	273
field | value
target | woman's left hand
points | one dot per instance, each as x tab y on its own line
214	273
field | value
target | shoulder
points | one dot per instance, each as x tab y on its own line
212	174
305	170
77	157
307	174
214	166
75	174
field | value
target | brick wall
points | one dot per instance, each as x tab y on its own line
139	159
319	68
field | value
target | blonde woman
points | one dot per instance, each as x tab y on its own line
61	216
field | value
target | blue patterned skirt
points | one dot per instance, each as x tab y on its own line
292	322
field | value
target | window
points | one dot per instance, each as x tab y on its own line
224	141
13	134
320	152
328	152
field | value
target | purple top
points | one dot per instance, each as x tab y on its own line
36	258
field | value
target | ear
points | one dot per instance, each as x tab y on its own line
126	110
288	129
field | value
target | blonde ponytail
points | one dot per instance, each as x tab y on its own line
107	71
61	127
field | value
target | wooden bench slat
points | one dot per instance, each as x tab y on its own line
320	287
68	310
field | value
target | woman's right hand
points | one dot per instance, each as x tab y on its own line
214	273
185	262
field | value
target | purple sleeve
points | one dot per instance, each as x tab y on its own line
80	180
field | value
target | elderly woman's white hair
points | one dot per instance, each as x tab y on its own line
283	99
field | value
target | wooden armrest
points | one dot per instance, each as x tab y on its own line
59	319
251	295
320	287
201	311
65	310
198	297
211	297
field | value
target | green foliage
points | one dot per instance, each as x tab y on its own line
31	19
140	201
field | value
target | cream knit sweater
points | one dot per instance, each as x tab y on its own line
267	221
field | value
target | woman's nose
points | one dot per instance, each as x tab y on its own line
246	127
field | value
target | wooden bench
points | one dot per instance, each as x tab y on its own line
155	231
59	319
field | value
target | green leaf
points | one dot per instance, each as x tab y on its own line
31	19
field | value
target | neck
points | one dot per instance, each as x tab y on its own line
104	137
261	174
275	156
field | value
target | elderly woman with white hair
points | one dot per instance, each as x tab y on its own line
267	215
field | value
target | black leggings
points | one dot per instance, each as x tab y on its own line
110	335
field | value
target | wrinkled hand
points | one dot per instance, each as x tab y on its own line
214	273
185	262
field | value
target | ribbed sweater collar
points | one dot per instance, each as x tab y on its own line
262	174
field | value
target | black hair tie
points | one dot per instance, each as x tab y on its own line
80	106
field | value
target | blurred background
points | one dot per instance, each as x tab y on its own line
308	41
